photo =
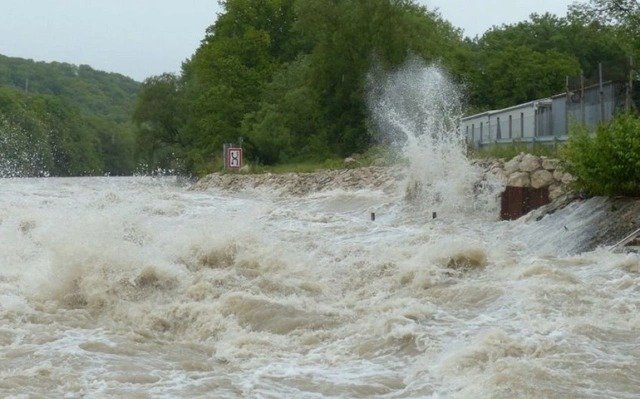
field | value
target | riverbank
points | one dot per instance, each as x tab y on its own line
385	178
524	170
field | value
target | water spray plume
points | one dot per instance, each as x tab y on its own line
418	108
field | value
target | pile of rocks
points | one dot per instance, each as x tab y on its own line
526	170
373	177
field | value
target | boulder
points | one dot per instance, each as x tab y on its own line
519	179
558	174
529	163
556	191
568	178
349	161
511	166
550	164
541	178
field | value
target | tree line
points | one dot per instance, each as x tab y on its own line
290	78
65	120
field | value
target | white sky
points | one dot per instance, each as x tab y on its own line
141	38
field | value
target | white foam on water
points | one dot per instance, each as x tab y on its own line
418	109
134	287
138	287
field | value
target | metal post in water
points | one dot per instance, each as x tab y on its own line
434	215
373	216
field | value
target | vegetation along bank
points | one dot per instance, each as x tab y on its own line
289	77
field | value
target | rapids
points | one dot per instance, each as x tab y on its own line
139	287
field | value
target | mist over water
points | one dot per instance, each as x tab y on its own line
418	108
140	287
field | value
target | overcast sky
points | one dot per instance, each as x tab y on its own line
141	38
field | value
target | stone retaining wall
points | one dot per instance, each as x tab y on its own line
526	170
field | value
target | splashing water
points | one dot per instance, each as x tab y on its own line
137	287
418	108
19	155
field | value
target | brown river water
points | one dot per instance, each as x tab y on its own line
139	287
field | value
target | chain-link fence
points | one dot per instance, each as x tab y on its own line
586	101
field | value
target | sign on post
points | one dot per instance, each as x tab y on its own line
233	158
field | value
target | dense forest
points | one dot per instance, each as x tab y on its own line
289	77
64	120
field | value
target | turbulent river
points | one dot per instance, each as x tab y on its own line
139	287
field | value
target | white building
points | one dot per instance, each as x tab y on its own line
546	119
523	121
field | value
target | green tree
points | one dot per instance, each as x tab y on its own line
287	125
24	146
82	115
609	162
545	49
289	75
73	145
159	118
224	80
514	75
349	37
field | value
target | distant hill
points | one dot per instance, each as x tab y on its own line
64	120
96	93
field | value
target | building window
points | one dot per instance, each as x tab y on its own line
521	124
481	129
498	131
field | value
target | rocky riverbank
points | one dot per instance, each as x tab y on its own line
525	170
604	221
372	177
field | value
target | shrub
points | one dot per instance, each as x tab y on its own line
607	163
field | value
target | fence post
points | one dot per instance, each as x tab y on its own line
583	110
629	101
566	107
601	92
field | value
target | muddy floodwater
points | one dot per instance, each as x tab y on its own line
145	288
139	287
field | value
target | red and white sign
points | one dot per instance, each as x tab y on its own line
234	158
